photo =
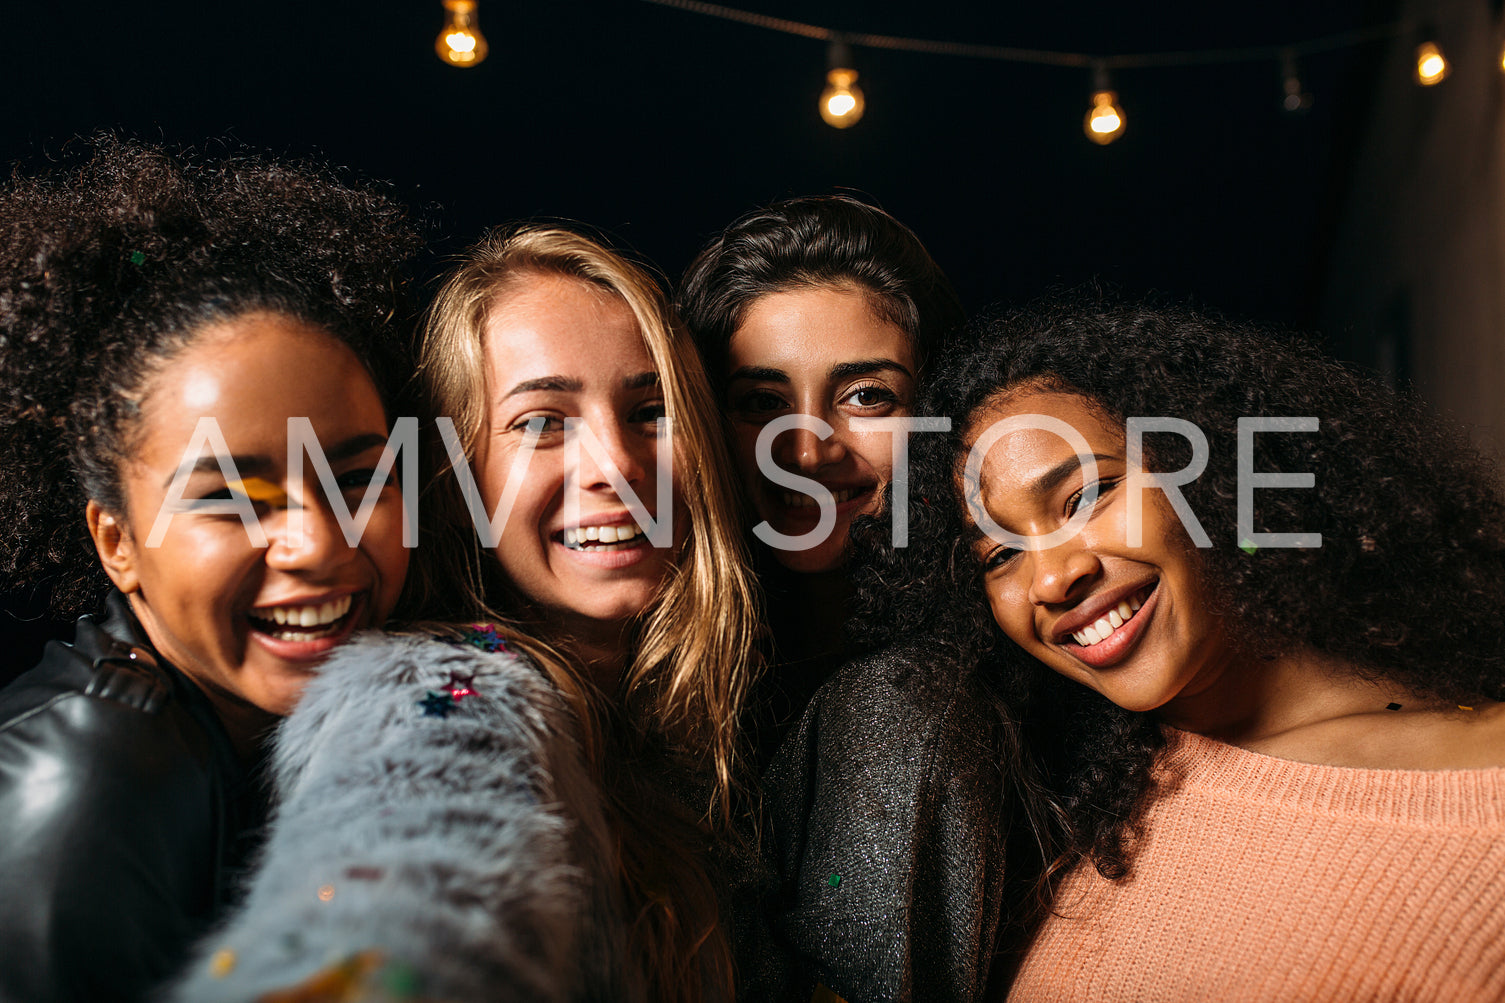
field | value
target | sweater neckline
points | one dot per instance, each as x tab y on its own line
1462	798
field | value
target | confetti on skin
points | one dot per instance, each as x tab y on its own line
1461	707
1392	706
437	704
260	490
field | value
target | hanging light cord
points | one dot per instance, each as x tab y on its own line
1196	57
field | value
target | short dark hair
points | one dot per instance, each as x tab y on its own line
810	242
110	263
1407	585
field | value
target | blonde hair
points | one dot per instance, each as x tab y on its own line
694	648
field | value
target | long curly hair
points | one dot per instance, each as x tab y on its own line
110	263
1406	585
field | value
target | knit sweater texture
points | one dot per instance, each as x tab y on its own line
1265	879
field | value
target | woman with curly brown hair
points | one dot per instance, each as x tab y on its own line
1253	600
162	320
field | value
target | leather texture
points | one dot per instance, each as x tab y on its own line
124	818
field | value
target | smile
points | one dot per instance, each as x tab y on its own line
1103	628
795	500
299	622
597	538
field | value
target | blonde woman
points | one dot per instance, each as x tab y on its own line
539	807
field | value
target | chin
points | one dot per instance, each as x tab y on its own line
811	562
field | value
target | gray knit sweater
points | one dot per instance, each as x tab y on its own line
887	809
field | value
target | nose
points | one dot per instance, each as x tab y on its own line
1062	573
612	445
803	450
305	538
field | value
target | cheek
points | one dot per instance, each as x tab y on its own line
1008	598
875	450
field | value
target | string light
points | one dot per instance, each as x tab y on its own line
842	102
460	42
1105	119
1431	65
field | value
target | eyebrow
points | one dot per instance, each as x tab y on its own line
570	385
256	465
216	463
840	371
862	367
1052	478
762	374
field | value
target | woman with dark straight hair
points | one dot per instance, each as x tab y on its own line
887	782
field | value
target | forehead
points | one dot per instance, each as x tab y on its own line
812	328
251	374
1026	432
556	325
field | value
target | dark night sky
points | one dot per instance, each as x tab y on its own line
660	125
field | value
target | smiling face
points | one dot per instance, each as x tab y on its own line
557	347
250	623
823	352
1129	622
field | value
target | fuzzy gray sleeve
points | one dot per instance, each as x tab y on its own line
428	843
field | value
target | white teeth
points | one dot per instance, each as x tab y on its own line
1099	631
794	500
576	537
319	615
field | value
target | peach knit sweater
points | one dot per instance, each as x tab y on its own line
1266	879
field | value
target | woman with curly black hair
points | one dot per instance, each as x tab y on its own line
163	320
1254	604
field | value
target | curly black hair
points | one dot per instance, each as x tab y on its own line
815	240
110	262
1407	584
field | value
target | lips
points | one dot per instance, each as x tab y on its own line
298	631
798	508
1099	634
609	537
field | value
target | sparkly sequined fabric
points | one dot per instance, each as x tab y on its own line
888	816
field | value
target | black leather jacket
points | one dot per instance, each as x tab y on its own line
125	816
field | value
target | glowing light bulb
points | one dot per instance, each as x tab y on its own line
842	103
1431	65
460	42
1502	59
1105	120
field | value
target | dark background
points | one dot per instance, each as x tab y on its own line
660	125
